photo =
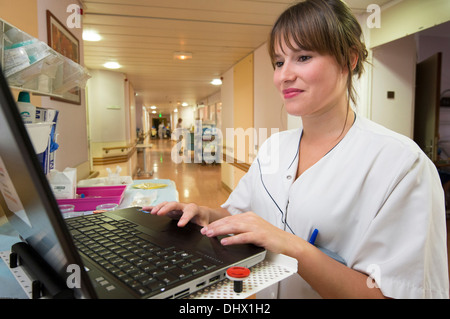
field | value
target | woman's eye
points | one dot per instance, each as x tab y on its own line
304	58
278	64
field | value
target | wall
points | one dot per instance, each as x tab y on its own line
112	121
243	106
25	20
106	109
408	17
269	113
130	112
227	96
394	66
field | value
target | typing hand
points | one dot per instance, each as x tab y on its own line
183	212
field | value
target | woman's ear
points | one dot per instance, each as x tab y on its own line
353	61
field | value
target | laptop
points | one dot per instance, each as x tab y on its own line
126	253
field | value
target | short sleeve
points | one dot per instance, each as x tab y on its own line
404	248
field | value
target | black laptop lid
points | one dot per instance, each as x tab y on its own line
27	199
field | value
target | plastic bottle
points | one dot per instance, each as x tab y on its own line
26	109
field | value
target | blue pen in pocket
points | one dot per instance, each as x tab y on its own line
331	254
313	237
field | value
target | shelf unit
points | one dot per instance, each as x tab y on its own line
31	65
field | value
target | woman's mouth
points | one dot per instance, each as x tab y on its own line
290	93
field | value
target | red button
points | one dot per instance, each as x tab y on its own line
238	272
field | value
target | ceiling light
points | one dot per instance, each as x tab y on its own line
184	104
153	112
182	55
176	110
216	82
153	107
112	65
90	35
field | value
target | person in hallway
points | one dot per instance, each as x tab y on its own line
161	130
179	136
372	194
179	123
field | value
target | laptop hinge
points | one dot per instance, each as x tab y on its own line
45	281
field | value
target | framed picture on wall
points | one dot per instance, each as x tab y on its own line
64	42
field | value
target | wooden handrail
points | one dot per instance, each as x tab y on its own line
122	148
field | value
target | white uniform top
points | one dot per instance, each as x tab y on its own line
375	198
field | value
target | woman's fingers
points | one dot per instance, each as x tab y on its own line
166	207
236	224
243	238
181	211
247	228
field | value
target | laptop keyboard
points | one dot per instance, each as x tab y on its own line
129	255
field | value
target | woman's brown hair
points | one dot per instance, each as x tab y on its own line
326	27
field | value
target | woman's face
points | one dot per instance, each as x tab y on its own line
309	83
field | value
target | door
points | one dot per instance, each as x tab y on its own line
426	114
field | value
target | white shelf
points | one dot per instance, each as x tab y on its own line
271	270
31	65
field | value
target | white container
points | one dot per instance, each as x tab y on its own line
26	109
27	112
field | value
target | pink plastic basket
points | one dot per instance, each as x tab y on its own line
88	198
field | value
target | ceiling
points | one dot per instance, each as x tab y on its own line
142	35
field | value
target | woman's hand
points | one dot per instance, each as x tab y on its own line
200	215
183	212
248	228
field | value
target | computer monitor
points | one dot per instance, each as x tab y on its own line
26	197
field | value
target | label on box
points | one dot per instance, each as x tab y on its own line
62	191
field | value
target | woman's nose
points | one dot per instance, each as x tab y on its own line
287	74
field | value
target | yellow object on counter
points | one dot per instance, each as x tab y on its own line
149	185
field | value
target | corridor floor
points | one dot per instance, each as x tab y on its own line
196	183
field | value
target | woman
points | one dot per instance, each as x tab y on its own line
374	196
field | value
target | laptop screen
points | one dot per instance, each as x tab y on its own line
27	199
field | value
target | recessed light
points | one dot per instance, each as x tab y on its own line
180	55
90	35
112	65
216	82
